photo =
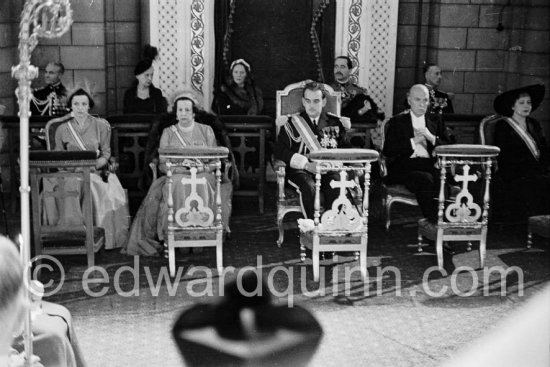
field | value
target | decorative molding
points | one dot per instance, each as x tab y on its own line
184	33
197	44
354	42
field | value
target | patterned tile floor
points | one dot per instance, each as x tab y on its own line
390	321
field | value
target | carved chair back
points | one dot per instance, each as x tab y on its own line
343	226
463	217
195	224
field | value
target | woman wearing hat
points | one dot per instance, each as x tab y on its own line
150	223
144	97
522	174
83	131
239	95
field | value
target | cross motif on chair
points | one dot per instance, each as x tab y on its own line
464	209
466	178
466	220
242	149
199	215
343	184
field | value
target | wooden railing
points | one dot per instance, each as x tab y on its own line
248	136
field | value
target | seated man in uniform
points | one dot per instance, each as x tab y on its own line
410	139
308	131
50	100
440	102
356	103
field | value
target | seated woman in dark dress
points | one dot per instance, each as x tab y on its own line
522	180
239	95
144	97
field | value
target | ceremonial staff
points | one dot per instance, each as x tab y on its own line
39	18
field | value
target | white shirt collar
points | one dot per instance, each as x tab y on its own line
418	122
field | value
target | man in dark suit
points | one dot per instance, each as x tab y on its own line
440	102
410	139
310	130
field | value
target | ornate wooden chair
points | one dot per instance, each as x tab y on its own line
289	101
391	193
343	227
464	217
65	169
63	238
195	224
487	129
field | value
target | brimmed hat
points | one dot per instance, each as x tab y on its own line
505	101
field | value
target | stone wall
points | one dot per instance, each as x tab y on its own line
8	52
478	60
100	49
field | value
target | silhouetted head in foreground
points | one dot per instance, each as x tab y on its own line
245	328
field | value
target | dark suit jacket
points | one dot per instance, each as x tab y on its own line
397	140
515	159
286	147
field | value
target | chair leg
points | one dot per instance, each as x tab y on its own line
439	251
281	227
302	252
483	247
171	260
482	252
90	255
315	259
363	264
219	253
420	244
387	211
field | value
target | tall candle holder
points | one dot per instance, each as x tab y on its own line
46	19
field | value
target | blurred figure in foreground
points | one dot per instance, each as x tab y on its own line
245	328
